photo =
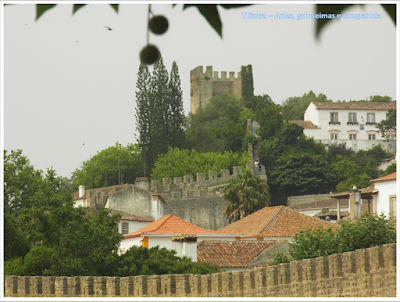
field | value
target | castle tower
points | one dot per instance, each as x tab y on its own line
203	86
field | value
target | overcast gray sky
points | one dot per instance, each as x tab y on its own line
69	81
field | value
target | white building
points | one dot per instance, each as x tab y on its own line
176	234
352	122
385	199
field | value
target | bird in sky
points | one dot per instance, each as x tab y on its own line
108	27
83	144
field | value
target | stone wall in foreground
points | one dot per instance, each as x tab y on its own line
363	273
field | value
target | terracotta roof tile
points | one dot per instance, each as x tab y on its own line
127	216
355	105
305	124
236	253
279	221
391	176
170	224
320	204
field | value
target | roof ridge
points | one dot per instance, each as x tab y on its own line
273	219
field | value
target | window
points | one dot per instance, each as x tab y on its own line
352	119
371	137
334	119
370	119
334	136
393	207
125	228
352	136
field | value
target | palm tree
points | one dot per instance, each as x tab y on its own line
246	194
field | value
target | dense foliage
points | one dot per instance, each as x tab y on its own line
293	107
159	111
369	231
159	261
112	166
177	163
246	194
389	124
44	234
246	74
220	126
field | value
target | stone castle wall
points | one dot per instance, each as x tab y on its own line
302	199
199	201
203	86
362	273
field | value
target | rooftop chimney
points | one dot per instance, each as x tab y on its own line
81	190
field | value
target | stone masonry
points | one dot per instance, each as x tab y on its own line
203	86
362	273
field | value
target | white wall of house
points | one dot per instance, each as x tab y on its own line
387	190
132	225
127	243
80	203
322	117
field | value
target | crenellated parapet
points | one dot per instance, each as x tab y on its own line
186	187
205	85
362	273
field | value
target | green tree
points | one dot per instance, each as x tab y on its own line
358	180
177	118
219	126
112	166
177	163
389	170
270	120
293	107
366	232
16	244
246	194
389	124
303	174
159	261
247	81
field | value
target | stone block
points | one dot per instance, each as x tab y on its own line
188	179
166	182
225	173
212	175
237	170
200	177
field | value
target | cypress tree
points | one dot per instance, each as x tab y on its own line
247	81
176	125
144	107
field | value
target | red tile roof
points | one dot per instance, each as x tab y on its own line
305	124
127	216
236	253
356	105
385	178
279	221
172	225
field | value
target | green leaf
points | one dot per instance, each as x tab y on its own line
329	9
41	8
115	7
391	10
76	7
210	12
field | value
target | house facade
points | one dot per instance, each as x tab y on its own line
352	123
385	197
176	234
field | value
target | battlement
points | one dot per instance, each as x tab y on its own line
205	85
186	187
363	273
211	75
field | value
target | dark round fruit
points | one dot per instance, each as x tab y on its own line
158	25
149	54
